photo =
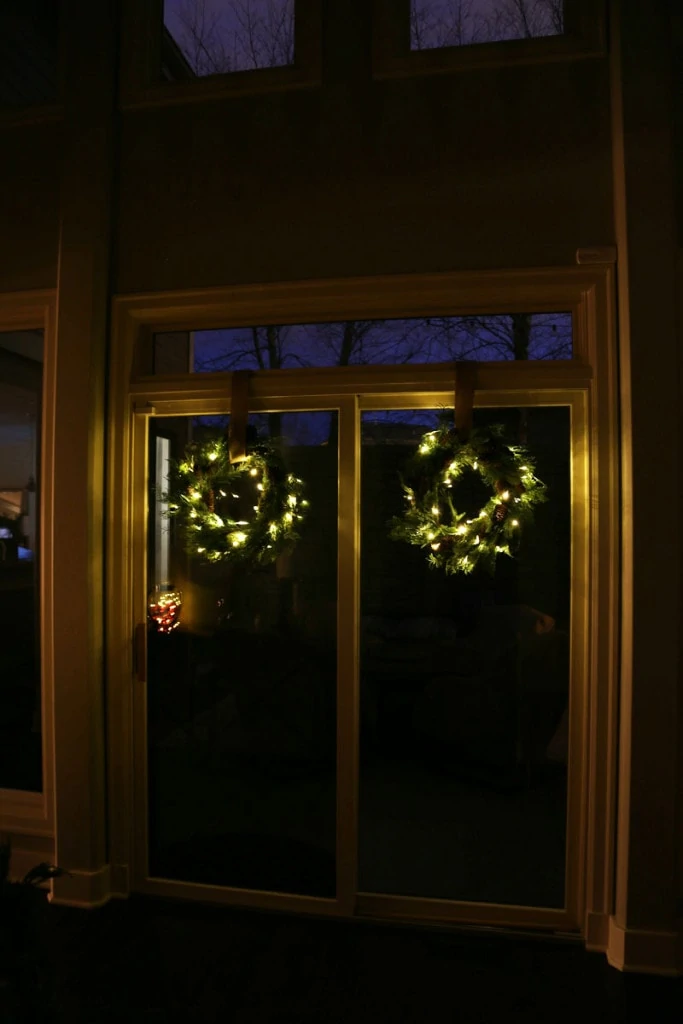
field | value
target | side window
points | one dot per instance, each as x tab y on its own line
29	53
21	376
218	37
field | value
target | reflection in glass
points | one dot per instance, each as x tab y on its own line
218	37
242	694
464	688
21	375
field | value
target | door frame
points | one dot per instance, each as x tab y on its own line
588	379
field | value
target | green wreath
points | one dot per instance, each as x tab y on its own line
458	544
209	496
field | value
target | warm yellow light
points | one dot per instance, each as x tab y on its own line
195	494
213	456
238	538
435	547
259	487
222	494
461	530
515	522
505	495
272	529
431	535
200	550
436	510
193	515
475	464
423	449
477	540
288	517
291	498
253	472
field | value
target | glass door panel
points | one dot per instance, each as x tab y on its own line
241	696
464	686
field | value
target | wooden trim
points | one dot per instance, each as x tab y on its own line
392	57
262	900
86	889
413	908
23	812
209	391
143	86
137	601
348	632
537	290
644	951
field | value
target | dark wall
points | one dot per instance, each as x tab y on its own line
29	205
489	168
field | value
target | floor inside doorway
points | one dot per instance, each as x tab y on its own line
152	961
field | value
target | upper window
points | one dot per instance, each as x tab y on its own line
516	336
438	23
425	36
29	53
217	37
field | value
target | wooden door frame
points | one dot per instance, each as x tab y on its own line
585	291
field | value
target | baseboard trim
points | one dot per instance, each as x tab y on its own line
120	881
597	932
643	951
87	889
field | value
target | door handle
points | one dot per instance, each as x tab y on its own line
140	651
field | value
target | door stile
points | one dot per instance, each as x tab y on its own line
348	614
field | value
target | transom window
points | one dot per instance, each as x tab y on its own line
494	337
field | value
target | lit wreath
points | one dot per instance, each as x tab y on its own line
458	544
204	503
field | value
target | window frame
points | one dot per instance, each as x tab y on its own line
587	291
23	812
142	27
392	56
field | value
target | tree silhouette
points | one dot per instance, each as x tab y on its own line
221	36
438	23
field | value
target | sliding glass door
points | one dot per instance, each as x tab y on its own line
346	727
241	669
464	681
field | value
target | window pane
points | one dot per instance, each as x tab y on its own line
29	38
216	37
21	373
366	342
242	695
438	23
464	686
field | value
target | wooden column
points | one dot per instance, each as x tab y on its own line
90	55
643	927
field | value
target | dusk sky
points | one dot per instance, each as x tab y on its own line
219	36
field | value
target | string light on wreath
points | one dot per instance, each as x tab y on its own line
249	512
456	543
